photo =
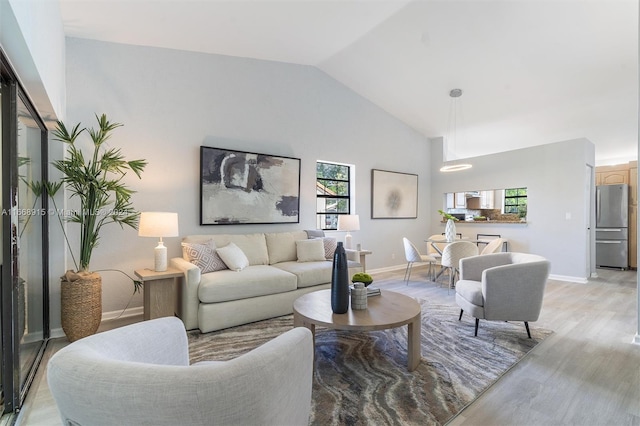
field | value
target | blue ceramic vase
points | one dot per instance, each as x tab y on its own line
340	281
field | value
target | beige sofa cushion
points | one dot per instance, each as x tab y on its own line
254	246
308	273
315	273
310	250
253	281
282	245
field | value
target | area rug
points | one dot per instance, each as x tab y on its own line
361	377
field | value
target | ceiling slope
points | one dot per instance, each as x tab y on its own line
532	72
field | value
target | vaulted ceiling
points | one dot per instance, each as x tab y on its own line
532	72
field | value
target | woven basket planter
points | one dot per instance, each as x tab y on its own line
81	305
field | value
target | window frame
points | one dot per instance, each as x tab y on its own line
321	215
520	200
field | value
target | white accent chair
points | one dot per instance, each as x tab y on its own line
412	255
140	375
502	287
453	253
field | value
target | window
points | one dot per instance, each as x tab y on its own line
515	201
333	193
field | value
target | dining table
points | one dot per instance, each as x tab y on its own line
435	241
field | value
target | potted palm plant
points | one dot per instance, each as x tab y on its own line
96	181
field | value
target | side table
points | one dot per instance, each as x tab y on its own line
159	292
363	259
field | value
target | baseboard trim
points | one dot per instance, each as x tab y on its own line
578	280
106	316
636	339
129	312
387	269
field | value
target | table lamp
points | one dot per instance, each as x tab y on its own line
159	224
348	222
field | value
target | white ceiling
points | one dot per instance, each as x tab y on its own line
532	71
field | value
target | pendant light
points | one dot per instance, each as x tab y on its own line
449	162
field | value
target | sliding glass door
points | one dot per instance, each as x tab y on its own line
24	300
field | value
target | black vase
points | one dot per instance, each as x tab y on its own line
340	282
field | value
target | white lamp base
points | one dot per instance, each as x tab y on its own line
347	241
160	257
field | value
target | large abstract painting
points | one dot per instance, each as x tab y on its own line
244	187
394	195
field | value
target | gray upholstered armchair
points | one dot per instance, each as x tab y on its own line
140	375
503	287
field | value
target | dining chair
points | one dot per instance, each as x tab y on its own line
494	246
452	254
435	249
487	238
412	255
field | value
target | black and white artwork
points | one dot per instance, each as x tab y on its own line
245	187
394	195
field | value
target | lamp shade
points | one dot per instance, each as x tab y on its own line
158	224
349	222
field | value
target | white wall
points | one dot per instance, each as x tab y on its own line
32	36
558	189
172	102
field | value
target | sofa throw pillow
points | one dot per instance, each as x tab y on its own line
314	233
233	257
330	244
310	250
204	256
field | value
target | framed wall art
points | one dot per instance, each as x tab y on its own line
394	195
248	188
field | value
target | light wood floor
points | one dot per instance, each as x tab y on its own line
586	373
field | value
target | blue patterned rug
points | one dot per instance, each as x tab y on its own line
361	378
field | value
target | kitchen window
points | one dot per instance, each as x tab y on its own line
333	193
515	201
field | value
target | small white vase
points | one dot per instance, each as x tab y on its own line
450	231
358	296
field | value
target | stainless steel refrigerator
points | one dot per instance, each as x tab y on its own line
612	221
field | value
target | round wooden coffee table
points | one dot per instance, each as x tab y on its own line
389	310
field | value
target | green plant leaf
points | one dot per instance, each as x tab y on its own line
96	181
447	215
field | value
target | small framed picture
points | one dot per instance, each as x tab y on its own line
394	195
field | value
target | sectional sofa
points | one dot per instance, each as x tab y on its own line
234	279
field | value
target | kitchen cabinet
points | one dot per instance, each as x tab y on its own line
612	175
473	203
460	200
633	237
450	204
633	214
633	183
486	199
